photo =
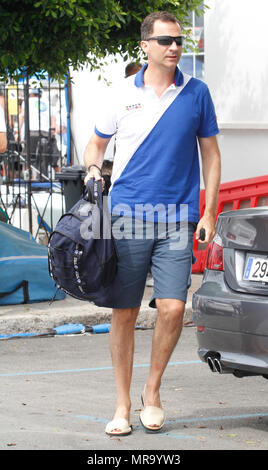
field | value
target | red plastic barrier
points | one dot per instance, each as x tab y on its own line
240	194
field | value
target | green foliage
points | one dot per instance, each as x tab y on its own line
52	35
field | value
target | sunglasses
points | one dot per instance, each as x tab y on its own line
167	40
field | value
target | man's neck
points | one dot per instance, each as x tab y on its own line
158	78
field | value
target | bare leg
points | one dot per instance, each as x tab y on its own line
122	350
166	335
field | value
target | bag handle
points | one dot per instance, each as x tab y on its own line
93	192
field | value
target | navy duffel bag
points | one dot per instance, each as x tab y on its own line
82	256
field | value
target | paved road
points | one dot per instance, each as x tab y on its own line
58	393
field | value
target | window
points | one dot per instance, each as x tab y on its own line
192	61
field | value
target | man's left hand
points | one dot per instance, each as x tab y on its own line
208	224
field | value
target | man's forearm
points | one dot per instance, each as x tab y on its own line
211	165
94	155
211	175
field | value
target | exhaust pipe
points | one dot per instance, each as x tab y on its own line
218	365
211	364
215	365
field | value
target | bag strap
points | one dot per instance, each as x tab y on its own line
24	286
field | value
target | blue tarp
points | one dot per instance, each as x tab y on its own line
24	268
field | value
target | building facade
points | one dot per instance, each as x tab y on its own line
236	71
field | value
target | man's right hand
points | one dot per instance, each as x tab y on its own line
94	172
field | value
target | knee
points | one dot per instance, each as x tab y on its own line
170	310
125	316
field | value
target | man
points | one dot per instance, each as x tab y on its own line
42	122
158	115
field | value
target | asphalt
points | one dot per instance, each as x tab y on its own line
41	318
58	393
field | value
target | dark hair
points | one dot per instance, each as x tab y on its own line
147	25
107	167
132	68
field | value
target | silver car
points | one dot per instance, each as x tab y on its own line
230	310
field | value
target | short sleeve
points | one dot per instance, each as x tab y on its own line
208	122
105	123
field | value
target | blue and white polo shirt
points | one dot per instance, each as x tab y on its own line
156	163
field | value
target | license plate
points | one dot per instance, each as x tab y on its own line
256	269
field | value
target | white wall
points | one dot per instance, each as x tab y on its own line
236	71
86	89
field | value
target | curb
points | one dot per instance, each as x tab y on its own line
34	321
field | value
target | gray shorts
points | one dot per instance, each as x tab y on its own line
166	250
